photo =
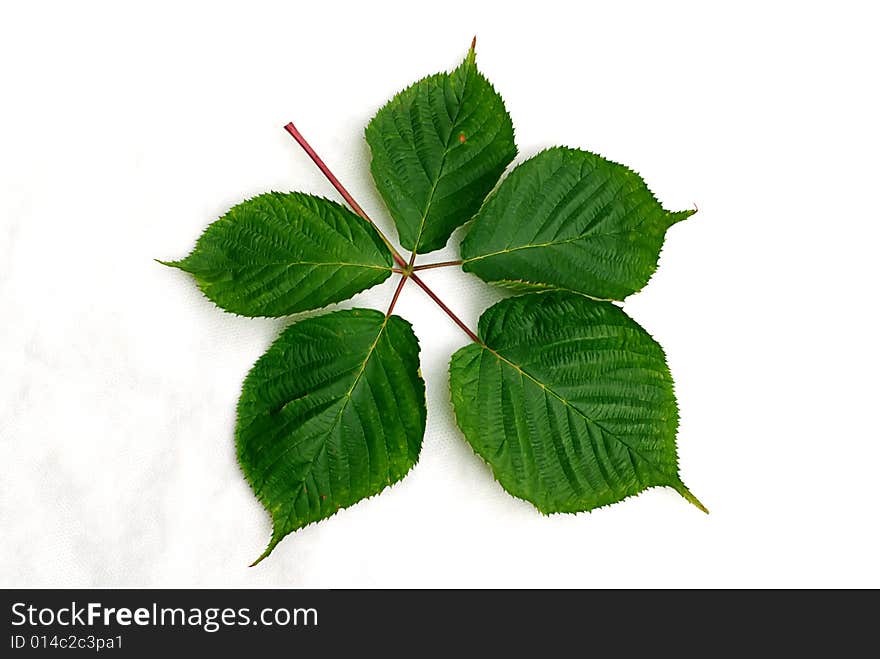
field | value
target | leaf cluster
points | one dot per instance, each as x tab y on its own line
567	398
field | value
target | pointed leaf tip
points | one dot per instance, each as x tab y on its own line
681	488
471	57
260	559
680	216
273	542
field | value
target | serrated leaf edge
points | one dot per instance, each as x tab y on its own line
278	536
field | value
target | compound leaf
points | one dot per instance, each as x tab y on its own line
281	253
438	148
569	401
332	413
572	220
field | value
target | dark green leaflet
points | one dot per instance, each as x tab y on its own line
569	219
569	401
278	254
332	413
438	148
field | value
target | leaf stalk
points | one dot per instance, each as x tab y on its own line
407	268
396	295
440	264
431	294
295	134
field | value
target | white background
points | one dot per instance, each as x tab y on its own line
126	131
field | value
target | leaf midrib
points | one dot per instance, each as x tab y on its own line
344	399
290	264
583	236
579	412
447	148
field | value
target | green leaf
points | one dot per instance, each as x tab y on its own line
332	413
569	401
438	148
572	220
278	254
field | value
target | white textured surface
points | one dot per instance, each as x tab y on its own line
124	132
